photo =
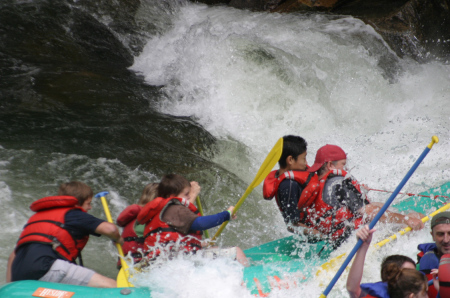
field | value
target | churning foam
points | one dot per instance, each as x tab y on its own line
254	77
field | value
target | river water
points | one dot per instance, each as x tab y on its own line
116	94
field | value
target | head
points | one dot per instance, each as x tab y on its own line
148	194
328	157
440	231
406	283
173	185
79	190
399	260
294	153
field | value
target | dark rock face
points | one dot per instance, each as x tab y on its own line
419	29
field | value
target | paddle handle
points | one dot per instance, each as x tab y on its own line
102	197
380	213
408	229
200	209
268	164
405	179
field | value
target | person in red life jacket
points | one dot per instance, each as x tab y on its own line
172	222
287	183
378	289
431	253
340	207
133	233
54	236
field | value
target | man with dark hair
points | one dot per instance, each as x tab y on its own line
287	183
54	236
431	253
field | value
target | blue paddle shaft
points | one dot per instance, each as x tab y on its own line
377	218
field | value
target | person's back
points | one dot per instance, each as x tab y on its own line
172	222
341	207
64	228
133	233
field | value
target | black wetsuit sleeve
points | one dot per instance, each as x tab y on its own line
288	194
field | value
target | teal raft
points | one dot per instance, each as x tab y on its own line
277	264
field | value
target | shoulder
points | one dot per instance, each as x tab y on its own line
78	218
288	183
128	214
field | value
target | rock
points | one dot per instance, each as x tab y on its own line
415	28
306	5
419	29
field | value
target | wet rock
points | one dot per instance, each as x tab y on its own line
419	29
416	28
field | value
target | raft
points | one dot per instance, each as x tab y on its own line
282	263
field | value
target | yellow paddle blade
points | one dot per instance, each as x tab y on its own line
122	279
268	164
334	263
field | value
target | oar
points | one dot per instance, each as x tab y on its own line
200	209
380	213
407	229
331	263
268	164
122	277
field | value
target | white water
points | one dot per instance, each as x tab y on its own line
254	77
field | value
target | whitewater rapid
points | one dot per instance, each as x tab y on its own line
254	77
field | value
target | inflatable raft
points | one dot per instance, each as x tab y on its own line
278	264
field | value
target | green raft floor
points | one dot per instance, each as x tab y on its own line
281	263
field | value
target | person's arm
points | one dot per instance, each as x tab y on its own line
393	217
109	230
195	191
202	223
8	268
356	271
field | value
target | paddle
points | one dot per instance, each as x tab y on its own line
200	209
331	263
380	213
122	277
268	164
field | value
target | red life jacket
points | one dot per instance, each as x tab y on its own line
132	242
272	182
157	232
327	219
47	226
314	211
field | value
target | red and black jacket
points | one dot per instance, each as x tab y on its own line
157	232
132	244
47	226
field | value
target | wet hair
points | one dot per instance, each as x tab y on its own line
398	260
148	194
402	282
292	146
76	189
172	185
